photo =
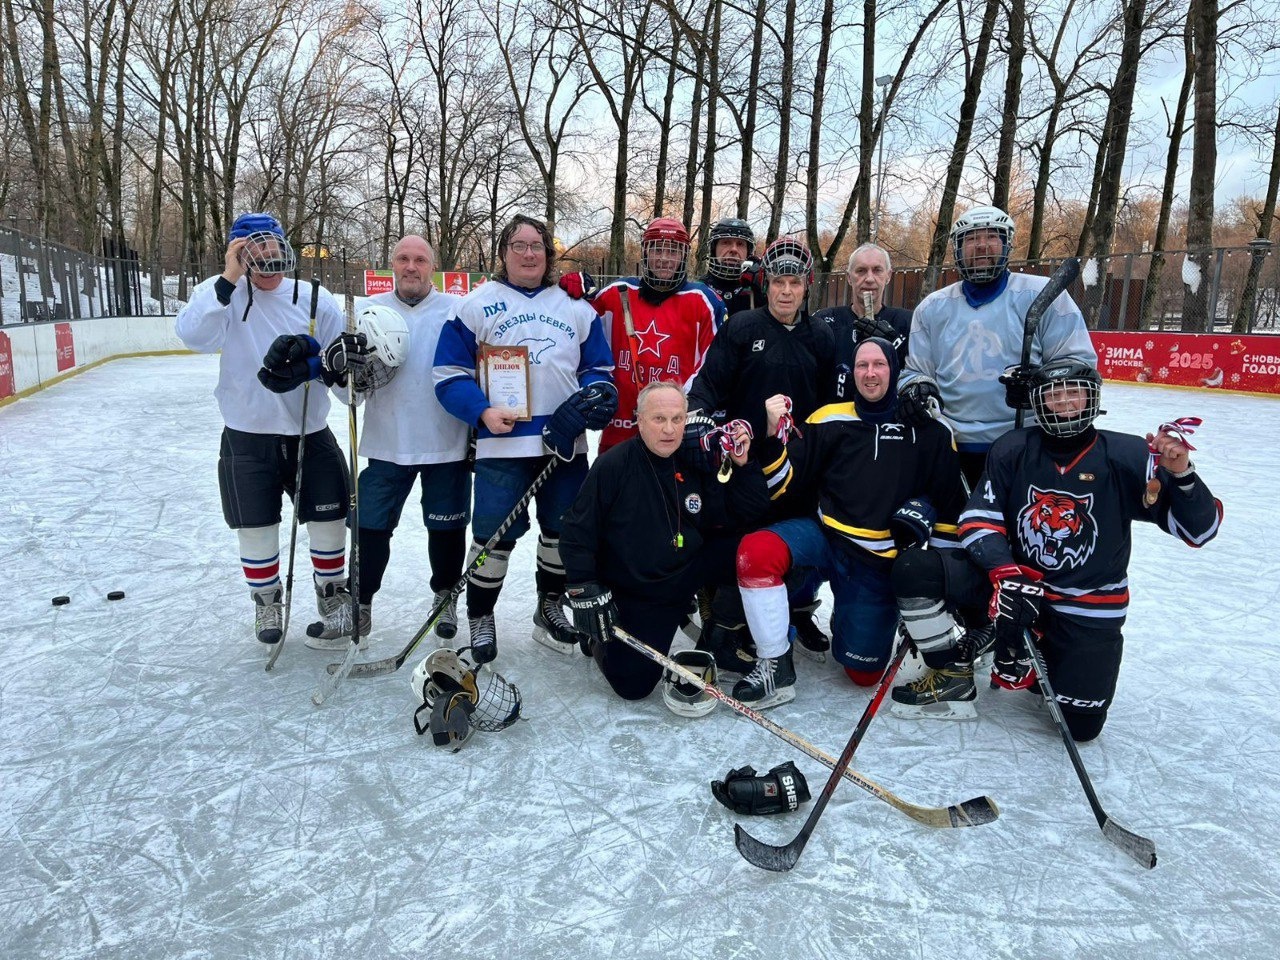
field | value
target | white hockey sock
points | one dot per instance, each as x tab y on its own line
328	551
492	572
260	556
769	616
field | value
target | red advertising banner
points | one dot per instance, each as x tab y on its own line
459	283
64	342
378	281
1210	360
7	387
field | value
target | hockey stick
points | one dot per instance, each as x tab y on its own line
330	685
778	859
297	489
378	668
1139	848
970	813
1062	278
624	294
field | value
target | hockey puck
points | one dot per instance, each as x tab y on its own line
61	601
115	595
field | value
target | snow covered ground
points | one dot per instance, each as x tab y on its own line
163	797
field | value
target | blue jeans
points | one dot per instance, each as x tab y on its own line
865	614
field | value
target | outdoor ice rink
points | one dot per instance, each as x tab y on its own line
161	796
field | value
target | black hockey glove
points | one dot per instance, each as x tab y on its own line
579	286
781	790
594	612
912	523
875	327
290	361
1017	386
1015	603
699	447
592	406
914	408
346	355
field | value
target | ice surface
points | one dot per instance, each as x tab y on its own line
163	797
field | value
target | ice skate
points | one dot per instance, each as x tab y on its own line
770	683
552	628
447	622
814	644
333	630
268	614
484	638
729	647
947	693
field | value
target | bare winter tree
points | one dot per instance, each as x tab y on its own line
1204	160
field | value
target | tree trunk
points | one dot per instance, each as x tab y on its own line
1012	99
821	261
709	156
778	196
960	150
1258	250
866	126
749	130
1196	309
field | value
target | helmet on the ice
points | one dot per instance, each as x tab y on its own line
685	698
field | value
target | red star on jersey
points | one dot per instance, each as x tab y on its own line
652	332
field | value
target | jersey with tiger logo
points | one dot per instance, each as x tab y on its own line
1072	521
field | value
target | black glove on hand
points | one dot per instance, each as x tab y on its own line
290	361
781	790
1015	604
1017	386
912	523
578	285
913	401
699	452
347	354
591	407
874	327
594	612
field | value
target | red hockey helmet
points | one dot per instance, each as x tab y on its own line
664	254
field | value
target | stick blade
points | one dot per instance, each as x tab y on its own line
1139	848
974	813
370	668
765	855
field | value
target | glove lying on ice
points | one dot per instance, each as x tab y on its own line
781	790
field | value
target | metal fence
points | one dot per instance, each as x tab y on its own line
41	280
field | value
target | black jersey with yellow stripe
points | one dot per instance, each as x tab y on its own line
863	472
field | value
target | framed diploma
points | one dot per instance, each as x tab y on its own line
504	377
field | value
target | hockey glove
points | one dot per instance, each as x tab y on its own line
1015	603
579	286
1012	668
346	355
699	447
912	523
914	407
781	790
752	275
594	612
290	361
592	406
874	327
1017	387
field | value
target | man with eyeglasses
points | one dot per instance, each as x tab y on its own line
259	321
569	390
659	324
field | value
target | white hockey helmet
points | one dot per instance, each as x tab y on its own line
982	218
496	702
684	698
386	333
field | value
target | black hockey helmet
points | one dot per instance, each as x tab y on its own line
729	228
1066	396
788	257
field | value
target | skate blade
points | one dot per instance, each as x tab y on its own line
947	710
544	637
817	656
776	699
334	643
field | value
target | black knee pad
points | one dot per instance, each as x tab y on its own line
1084	726
919	573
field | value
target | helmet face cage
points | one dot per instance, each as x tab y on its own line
788	258
686	699
982	218
668	249
728	229
372	374
496	702
268	252
1066	398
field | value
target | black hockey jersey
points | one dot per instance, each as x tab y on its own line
639	519
755	357
1072	522
864	472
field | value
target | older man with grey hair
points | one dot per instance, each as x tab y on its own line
867	316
